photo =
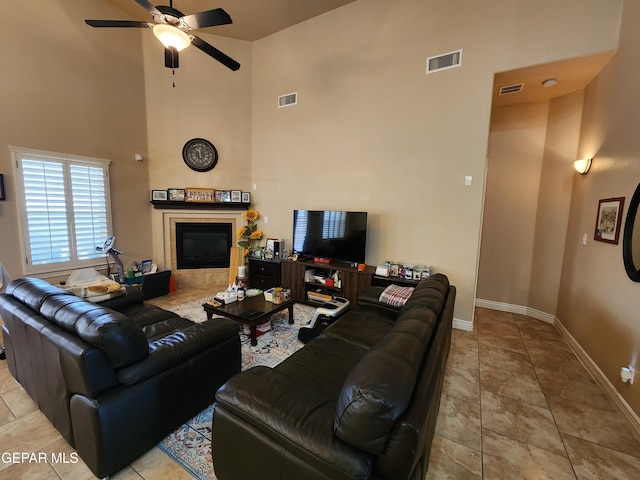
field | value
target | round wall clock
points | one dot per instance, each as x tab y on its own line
200	154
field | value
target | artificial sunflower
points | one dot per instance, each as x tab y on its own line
249	236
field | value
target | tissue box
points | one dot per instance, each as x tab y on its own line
226	297
269	294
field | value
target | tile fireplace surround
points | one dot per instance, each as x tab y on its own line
164	244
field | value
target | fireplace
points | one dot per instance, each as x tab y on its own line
203	245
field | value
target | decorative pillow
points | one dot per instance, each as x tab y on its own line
395	295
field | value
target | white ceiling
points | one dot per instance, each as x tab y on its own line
252	19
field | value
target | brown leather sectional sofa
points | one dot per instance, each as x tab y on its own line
360	401
117	377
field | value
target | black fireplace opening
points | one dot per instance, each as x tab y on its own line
203	245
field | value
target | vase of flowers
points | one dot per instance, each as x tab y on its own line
249	236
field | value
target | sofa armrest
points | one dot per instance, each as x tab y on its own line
179	346
290	414
369	300
132	296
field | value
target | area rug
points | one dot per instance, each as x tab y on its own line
190	445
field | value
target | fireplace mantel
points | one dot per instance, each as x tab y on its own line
166	205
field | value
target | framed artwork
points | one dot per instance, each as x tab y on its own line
2	197
246	197
236	196
160	195
176	194
223	196
199	194
609	219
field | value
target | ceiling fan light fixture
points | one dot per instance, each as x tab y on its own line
171	36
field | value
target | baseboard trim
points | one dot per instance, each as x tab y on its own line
463	324
520	309
601	379
598	376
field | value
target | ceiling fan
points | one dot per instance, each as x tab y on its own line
171	26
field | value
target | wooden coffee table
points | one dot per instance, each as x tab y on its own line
251	311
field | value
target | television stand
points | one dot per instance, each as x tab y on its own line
353	282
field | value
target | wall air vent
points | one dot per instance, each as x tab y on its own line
506	90
288	100
444	61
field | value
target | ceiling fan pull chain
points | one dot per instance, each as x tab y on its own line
173	72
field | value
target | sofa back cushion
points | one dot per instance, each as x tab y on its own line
379	388
430	292
34	291
121	339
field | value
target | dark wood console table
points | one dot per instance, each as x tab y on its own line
353	280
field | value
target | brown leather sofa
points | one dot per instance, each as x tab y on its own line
113	378
360	401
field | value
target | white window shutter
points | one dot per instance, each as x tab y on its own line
45	201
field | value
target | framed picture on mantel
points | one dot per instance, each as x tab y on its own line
159	195
609	220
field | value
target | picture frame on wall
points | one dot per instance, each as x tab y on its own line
2	196
609	220
159	195
200	195
236	196
246	197
176	194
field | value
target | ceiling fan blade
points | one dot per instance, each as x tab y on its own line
215	53
118	23
171	59
209	18
149	7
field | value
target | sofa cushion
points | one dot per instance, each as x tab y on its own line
361	328
323	364
379	388
34	291
430	292
185	341
119	337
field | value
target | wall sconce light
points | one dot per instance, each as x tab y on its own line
582	166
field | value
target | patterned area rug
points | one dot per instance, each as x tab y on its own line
190	445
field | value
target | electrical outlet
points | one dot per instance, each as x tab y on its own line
627	374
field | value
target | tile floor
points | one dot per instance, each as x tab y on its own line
516	404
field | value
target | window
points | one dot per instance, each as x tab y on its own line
64	207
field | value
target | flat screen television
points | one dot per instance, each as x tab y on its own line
336	235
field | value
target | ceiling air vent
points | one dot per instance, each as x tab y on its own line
517	88
288	100
444	61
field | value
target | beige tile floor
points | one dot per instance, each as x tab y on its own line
516	404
